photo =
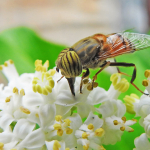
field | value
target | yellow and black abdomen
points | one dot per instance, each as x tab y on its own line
69	63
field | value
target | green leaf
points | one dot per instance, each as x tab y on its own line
24	46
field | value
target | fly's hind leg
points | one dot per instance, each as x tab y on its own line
84	75
133	75
120	71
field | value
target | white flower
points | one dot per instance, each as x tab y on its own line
146	124
142	142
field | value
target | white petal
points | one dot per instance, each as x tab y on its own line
97	96
142	143
6	120
35	139
49	145
47	114
6	137
23	128
95	120
62	110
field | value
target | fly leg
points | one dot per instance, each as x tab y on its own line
60	79
84	75
133	75
121	72
102	68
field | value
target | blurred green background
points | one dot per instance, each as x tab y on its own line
27	37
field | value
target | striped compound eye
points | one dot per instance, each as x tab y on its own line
69	63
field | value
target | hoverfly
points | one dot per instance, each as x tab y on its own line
93	51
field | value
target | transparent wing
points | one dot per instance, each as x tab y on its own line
122	43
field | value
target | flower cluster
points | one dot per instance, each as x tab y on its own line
39	113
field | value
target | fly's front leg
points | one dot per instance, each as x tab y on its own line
133	75
84	75
95	76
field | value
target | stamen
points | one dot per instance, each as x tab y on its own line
1	145
5	64
22	92
115	122
25	110
99	132
89	87
67	148
15	90
1	67
7	99
114	78
86	147
37	115
95	84
90	126
67	121
10	61
48	88
51	83
56	145
122	128
59	132
85	81
38	62
145	82
52	72
123	119
58	118
147	73
69	131
85	135
39	89
57	126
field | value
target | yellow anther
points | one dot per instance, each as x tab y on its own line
67	148
122	128
43	69
11	61
89	87
85	81
58	118
5	64
22	92
67	121
147	73
115	122
145	82
90	126
51	83
38	68
1	68
57	126
123	119
43	75
34	88
130	130
44	91
86	147
39	89
56	145
52	72
15	90
85	135
47	74
95	84
38	62
69	131
49	78
134	120
102	148
7	99
129	100
25	110
135	96
48	88
1	145
46	64
34	82
114	78
36	78
99	132
13	149
37	115
59	132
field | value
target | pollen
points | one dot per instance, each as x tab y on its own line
90	126
67	121
59	132
25	110
122	128
58	118
147	73
99	132
85	135
69	131
56	145
22	92
86	147
1	145
115	122
145	82
7	99
1	67
57	126
15	90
